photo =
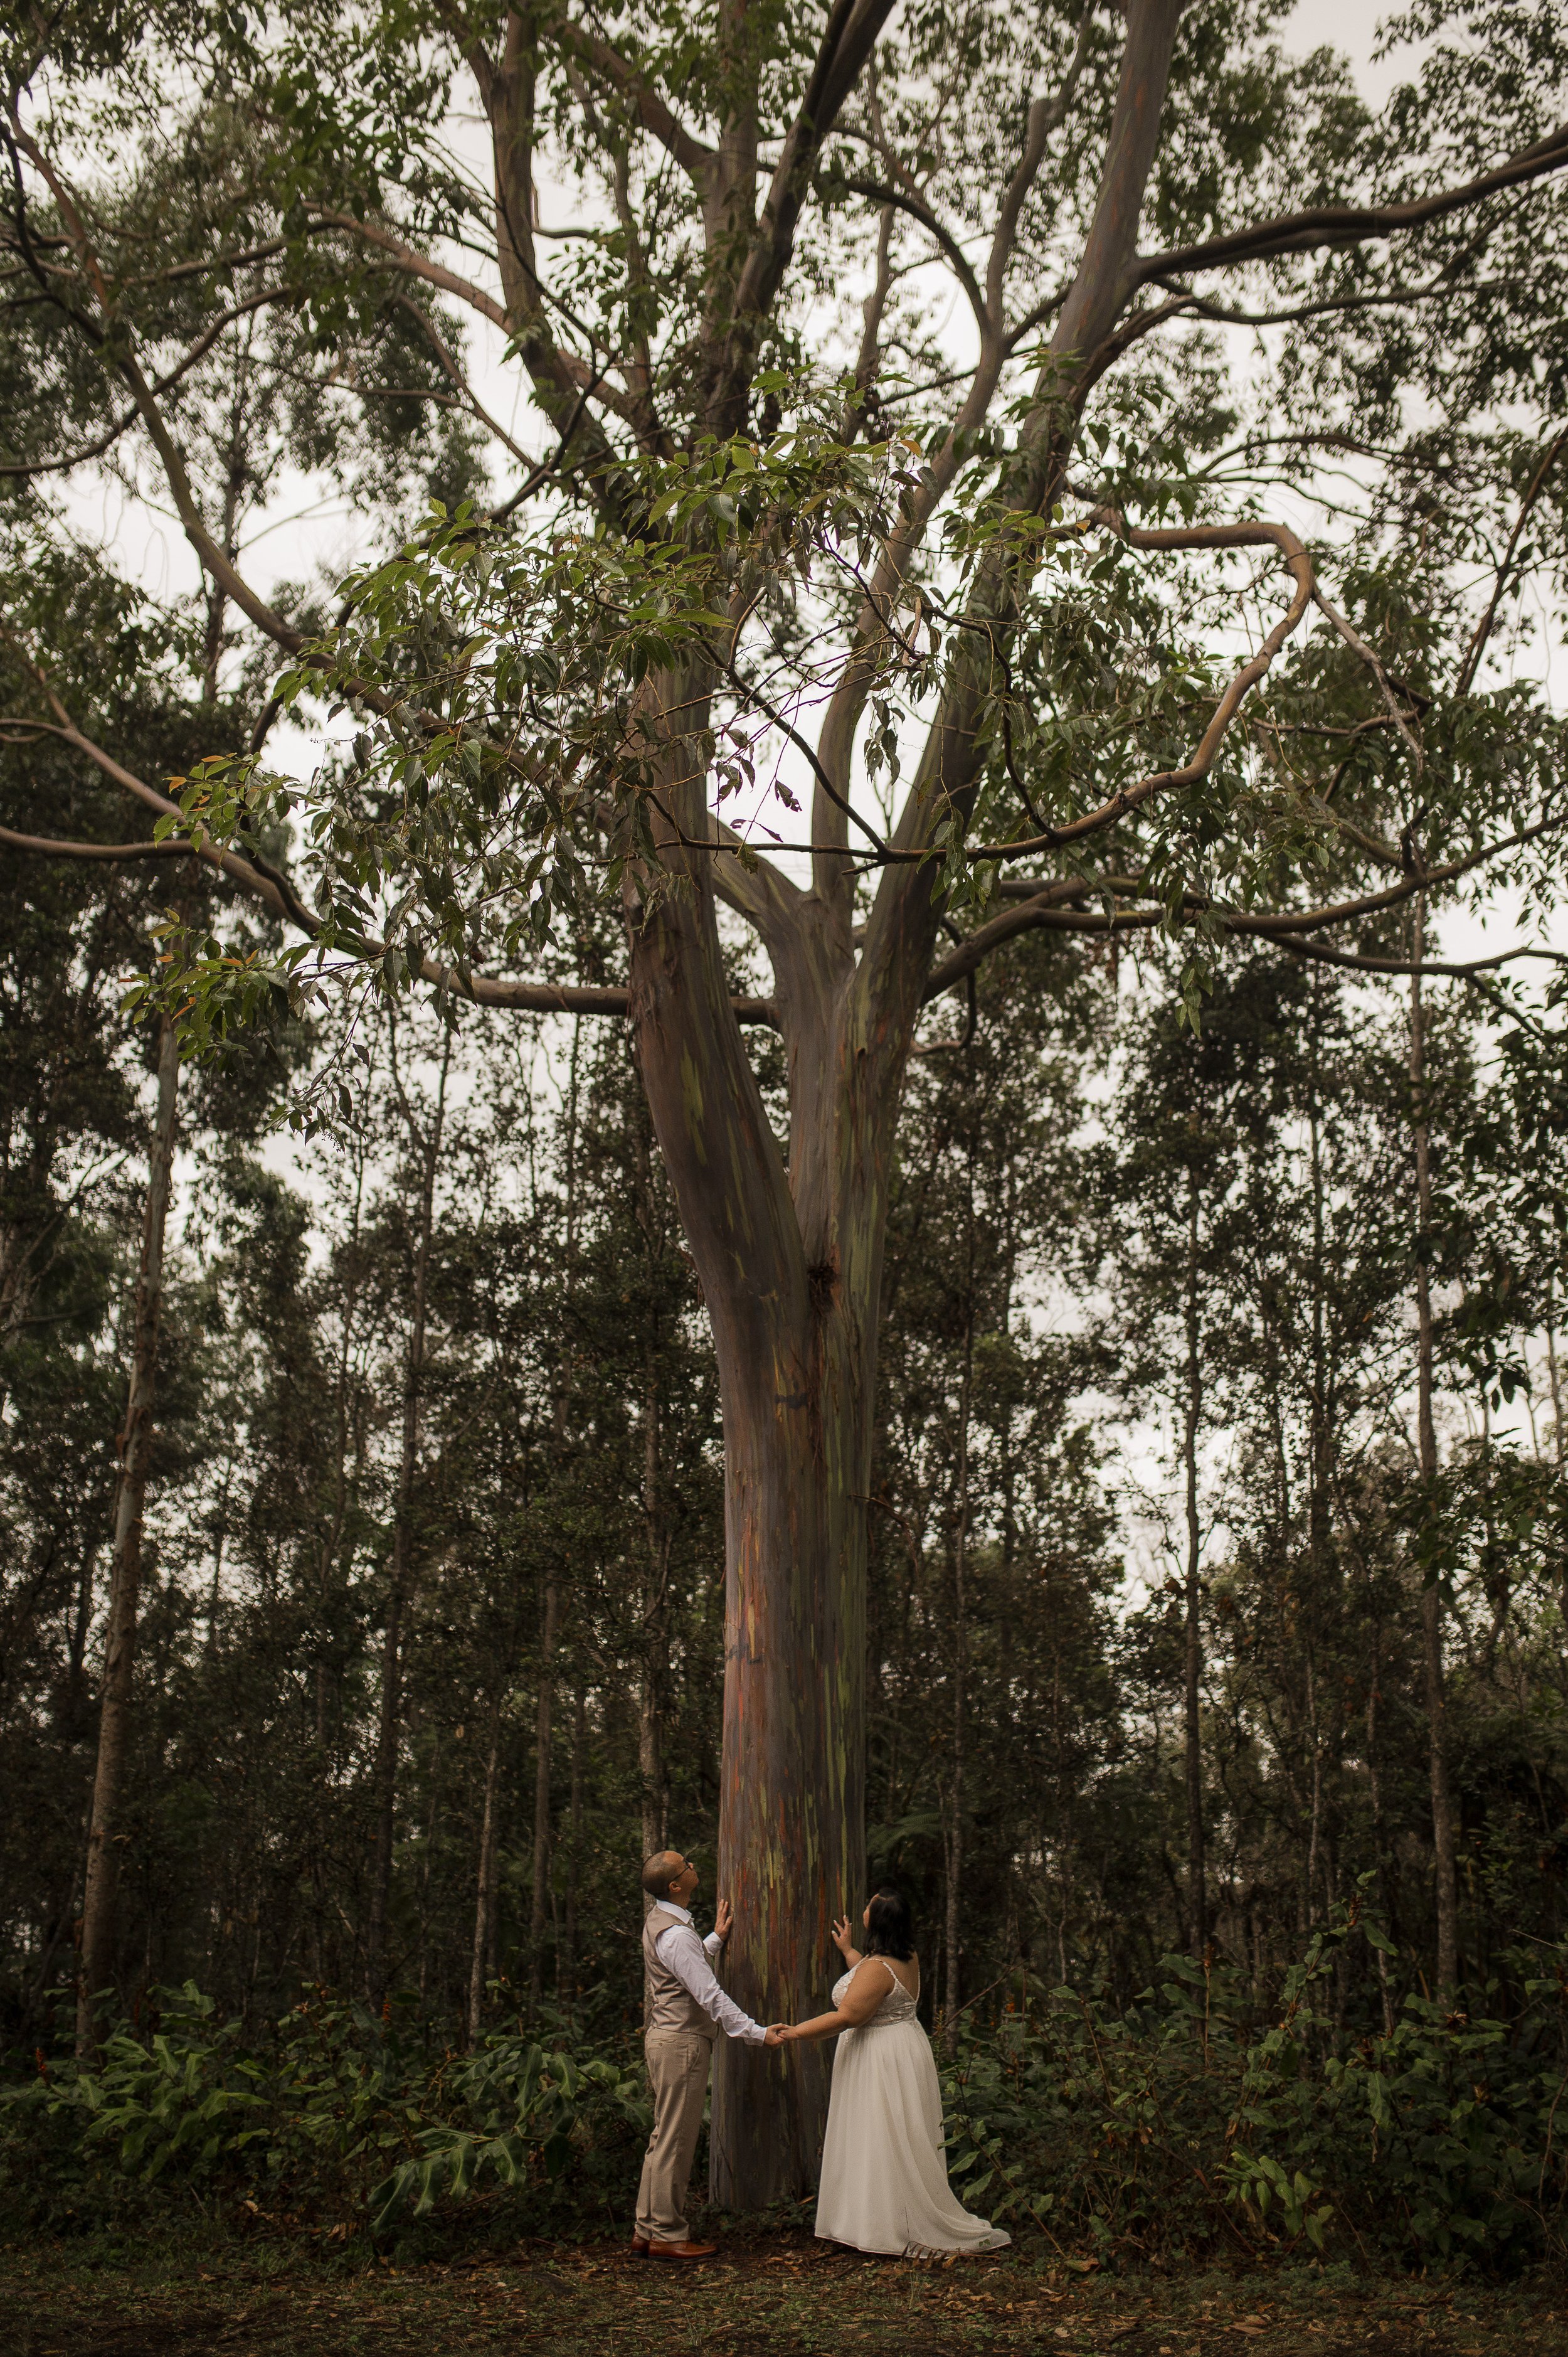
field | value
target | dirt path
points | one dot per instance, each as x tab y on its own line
781	2297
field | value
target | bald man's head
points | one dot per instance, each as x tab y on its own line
665	1866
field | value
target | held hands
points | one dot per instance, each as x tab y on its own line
779	2033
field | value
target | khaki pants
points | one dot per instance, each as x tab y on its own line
677	2073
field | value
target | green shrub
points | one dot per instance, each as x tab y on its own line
1188	2121
343	2113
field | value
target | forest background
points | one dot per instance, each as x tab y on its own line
429	1648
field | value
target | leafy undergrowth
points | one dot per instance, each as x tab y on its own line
1197	2125
1194	2122
774	2294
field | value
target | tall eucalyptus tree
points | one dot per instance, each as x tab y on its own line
784	518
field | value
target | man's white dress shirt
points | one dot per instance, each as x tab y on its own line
682	1952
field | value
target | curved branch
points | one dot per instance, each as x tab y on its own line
1460	969
1129	798
256	876
903	200
48	846
1023	917
599	58
1286	927
263	882
1300	233
418	265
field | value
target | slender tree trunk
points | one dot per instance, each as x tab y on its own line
655	1670
541	1794
1321	1424
1558	1435
567	1964
485	1898
1314	1783
1192	1666
654	1666
1379	1835
389	1726
75	1707
432	1824
1444	1877
120	1643
955	1830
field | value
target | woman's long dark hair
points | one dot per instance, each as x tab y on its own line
889	1927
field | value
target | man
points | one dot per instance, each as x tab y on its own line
686	2010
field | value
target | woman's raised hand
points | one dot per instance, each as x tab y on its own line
840	1936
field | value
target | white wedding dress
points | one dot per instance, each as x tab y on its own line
885	2180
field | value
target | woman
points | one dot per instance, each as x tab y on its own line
884	2182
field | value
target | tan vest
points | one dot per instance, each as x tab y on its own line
671	2004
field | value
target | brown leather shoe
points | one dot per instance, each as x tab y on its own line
639	2247
681	2250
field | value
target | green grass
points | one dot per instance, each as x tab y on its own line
766	2293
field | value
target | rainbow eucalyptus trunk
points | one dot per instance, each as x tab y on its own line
791	1843
789	1259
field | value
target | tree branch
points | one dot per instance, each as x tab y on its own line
46	847
265	883
598	57
770	711
1044	114
1328	305
448	360
852	29
1358	646
1318	225
1284	927
1129	798
1025	916
215	560
406	257
1460	970
1483	629
906	201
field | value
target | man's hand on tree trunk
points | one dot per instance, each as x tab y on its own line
723	1918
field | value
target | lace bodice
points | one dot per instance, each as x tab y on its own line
896	2006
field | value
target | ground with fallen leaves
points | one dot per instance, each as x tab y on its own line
773	2296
